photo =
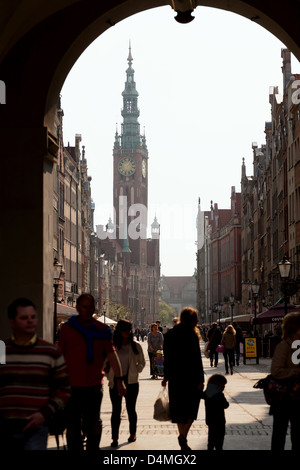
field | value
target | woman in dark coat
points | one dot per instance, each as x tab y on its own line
183	371
214	336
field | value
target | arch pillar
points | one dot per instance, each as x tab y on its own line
26	236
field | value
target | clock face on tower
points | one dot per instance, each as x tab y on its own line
144	168
127	166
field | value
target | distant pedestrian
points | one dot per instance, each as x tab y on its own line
214	337
204	331
155	343
238	342
184	372
34	383
215	404
229	342
137	334
165	329
143	334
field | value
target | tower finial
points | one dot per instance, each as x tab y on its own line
130	59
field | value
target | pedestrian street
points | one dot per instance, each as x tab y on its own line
248	423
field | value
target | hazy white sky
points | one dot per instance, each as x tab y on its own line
203	99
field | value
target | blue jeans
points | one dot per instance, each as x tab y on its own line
12	437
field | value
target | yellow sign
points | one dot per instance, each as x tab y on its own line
250	347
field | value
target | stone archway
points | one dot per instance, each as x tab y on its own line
40	42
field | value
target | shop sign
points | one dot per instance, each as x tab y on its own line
250	347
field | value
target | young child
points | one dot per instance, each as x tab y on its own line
215	404
159	362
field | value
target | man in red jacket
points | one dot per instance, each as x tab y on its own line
86	343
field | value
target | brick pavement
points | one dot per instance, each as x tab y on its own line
248	427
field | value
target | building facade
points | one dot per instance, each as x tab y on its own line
270	198
219	260
243	246
74	246
179	291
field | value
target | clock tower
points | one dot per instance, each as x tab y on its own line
130	180
133	257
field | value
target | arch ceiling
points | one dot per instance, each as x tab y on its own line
40	41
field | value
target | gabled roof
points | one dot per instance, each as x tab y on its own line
176	283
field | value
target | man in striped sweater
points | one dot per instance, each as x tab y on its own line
34	383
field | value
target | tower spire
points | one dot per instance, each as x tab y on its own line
131	137
130	59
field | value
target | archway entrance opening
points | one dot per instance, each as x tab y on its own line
203	99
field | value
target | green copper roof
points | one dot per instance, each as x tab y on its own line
126	248
130	136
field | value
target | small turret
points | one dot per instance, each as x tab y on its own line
155	228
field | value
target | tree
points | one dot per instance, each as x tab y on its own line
166	313
116	311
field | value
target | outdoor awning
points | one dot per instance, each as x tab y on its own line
275	313
237	318
64	312
66	309
106	320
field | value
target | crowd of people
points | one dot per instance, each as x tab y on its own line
228	342
39	378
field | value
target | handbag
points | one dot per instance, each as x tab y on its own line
220	348
278	390
161	406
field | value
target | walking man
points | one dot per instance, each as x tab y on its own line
86	343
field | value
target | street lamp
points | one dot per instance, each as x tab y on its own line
284	270
219	311
231	298
57	267
255	290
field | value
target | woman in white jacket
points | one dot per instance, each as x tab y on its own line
132	360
